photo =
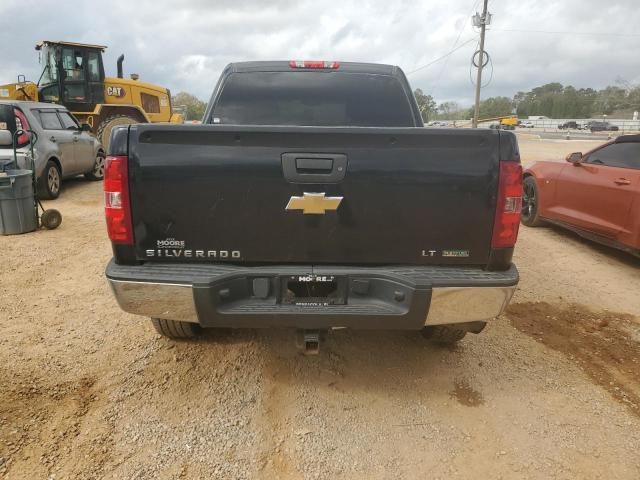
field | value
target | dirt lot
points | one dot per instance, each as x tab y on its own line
550	390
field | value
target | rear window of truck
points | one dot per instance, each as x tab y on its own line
313	99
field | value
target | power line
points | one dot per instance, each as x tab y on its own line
555	32
442	57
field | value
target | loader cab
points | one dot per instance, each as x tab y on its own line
72	75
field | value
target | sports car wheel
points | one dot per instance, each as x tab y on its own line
530	198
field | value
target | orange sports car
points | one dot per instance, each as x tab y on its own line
596	194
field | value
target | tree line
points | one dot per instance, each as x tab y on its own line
550	100
189	105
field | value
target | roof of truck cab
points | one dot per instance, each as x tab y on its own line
283	66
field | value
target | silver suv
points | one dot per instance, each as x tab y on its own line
64	148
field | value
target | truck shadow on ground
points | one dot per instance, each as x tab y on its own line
398	363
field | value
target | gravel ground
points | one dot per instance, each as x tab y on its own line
549	390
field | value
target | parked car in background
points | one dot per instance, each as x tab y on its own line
526	124
571	125
597	194
63	149
603	127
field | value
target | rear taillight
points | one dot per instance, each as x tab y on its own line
509	205
22	124
117	208
313	64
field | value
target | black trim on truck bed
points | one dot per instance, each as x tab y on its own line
199	274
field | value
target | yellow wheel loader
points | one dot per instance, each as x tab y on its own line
73	75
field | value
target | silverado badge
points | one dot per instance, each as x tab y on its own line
313	203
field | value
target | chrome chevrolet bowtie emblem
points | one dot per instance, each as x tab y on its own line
313	203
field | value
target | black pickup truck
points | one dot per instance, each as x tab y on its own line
313	197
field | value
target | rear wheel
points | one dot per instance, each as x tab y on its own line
103	132
49	185
176	329
98	168
443	334
530	201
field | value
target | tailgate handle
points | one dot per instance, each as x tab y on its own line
314	167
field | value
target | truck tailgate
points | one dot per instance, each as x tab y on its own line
391	195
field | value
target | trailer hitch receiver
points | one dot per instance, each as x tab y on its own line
308	341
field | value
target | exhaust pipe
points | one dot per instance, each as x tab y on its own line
120	60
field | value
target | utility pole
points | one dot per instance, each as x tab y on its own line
483	24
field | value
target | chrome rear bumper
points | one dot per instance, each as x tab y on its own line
467	304
158	300
399	297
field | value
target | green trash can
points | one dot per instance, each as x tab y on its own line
17	204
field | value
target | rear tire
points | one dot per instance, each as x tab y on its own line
443	334
176	329
103	132
530	202
98	169
50	182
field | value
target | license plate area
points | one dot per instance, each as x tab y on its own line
313	290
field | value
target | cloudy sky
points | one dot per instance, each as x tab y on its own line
185	44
